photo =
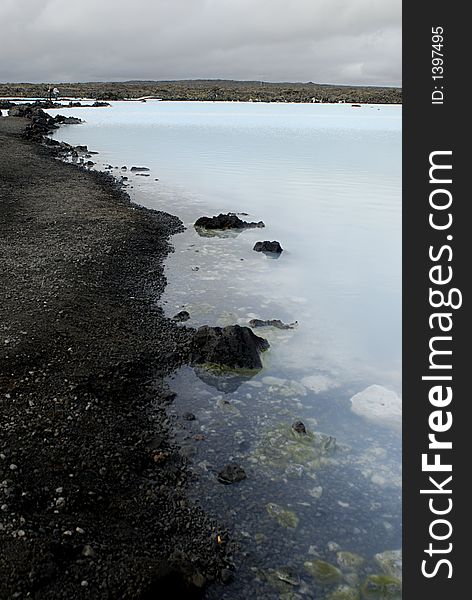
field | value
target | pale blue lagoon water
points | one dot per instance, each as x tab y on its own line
326	180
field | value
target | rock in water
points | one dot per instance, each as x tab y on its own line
139	169
286	518
232	473
378	404
344	592
288	575
390	562
272	247
272	323
181	316
67	120
299	427
228	221
381	587
323	572
233	346
349	561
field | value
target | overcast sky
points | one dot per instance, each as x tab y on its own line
324	41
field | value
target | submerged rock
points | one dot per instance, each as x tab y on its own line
378	404
323	572
272	323
284	517
226	221
223	379
231	473
272	247
287	575
344	592
283	447
382	587
299	427
390	562
349	561
232	347
318	383
181	316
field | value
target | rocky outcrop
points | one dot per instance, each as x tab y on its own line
62	120
272	323
233	347
272	247
226	221
41	123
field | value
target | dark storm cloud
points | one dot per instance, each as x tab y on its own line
327	41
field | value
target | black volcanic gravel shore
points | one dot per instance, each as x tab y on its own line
92	493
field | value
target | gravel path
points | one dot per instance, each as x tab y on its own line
92	493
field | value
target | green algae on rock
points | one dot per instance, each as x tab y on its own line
287	575
286	518
284	447
390	562
283	580
323	572
349	561
382	587
290	596
344	592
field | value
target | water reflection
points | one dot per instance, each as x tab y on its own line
318	516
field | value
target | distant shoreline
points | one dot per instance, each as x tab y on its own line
211	90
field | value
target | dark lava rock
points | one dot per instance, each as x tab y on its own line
139	169
40	122
299	427
181	316
232	346
272	323
188	416
100	104
273	247
232	473
142	175
62	120
228	221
